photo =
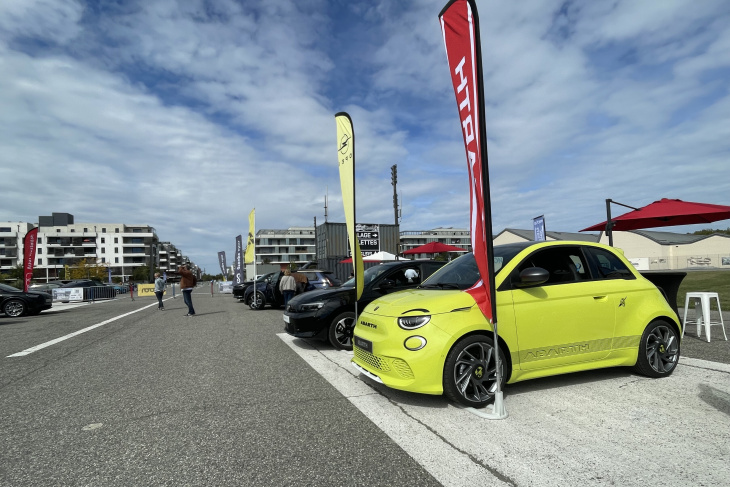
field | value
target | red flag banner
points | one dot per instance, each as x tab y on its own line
460	28
29	248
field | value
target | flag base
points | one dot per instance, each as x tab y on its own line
493	411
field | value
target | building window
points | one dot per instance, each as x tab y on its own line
116	250
103	260
5	229
40	251
40	261
40	240
116	230
58	230
86	230
103	230
116	260
103	251
116	239
103	240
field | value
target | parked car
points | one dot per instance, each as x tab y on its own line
84	283
329	314
119	288
320	279
267	293
561	307
239	289
14	302
45	286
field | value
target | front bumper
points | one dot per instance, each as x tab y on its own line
304	325
395	365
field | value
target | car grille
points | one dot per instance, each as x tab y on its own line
370	359
402	368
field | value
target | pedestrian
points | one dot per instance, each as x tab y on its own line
159	290
187	283
287	286
131	288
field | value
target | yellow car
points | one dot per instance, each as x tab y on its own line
561	307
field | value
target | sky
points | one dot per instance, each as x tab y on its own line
185	115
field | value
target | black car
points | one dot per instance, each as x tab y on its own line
268	293
14	302
329	314
240	289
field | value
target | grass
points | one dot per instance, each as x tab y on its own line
707	281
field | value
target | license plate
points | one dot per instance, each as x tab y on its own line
366	345
286	319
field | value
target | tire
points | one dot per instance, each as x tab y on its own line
658	350
470	372
258	303
14	308
341	328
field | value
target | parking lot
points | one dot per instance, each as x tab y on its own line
132	395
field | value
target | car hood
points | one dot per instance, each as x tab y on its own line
40	293
420	301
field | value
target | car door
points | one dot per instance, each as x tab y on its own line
568	319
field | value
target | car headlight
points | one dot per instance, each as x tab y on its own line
413	322
311	306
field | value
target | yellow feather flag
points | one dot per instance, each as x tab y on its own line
346	161
249	256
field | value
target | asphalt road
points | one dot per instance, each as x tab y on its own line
225	398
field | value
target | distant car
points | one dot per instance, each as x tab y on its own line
45	287
268	292
119	288
320	279
329	313
240	289
84	283
14	302
561	306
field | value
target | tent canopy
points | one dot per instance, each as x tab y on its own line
376	257
434	248
666	213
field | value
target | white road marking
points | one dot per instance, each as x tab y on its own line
605	427
28	351
449	465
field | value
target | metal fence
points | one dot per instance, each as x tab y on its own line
94	293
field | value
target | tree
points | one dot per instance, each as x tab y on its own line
141	273
86	270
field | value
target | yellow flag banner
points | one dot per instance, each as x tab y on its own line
249	256
346	161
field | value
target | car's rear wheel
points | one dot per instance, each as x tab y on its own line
470	371
14	308
341	328
257	301
658	350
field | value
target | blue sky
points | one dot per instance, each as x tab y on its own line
184	115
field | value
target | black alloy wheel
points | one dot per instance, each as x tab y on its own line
257	301
470	371
658	350
14	308
340	332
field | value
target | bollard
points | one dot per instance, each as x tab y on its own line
173	290
211	289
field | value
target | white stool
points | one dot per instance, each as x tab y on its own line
703	318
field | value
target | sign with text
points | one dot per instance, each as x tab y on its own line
147	290
368	236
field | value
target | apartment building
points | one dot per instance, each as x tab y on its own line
458	237
62	242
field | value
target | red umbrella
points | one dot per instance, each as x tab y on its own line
434	248
666	213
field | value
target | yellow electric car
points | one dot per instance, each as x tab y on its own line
561	307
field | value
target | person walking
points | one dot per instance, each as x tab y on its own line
159	290
287	286
187	283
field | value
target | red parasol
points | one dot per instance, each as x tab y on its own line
666	213
434	248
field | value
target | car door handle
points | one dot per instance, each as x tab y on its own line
600	298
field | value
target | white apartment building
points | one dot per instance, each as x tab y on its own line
293	245
458	237
61	242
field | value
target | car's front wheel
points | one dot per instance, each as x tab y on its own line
658	350
341	328
470	371
14	308
257	301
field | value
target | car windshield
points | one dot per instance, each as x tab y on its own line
9	289
369	275
462	273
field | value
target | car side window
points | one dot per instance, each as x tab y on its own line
399	278
608	266
565	264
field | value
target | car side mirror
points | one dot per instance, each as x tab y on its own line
387	284
533	276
